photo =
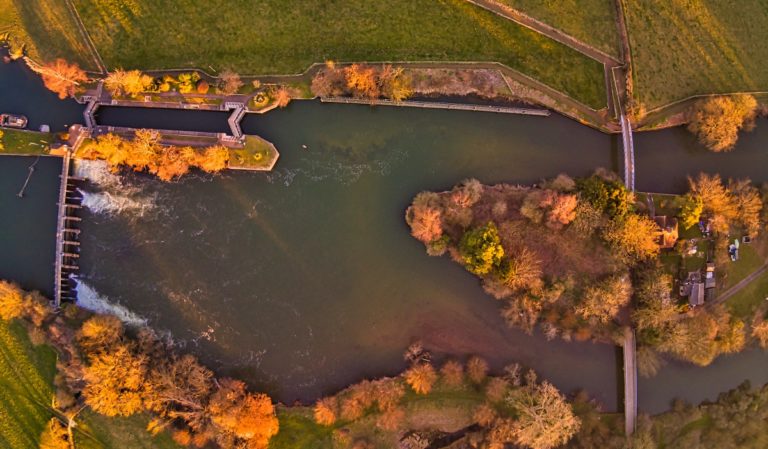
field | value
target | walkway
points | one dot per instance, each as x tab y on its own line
630	381
60	225
441	105
629	153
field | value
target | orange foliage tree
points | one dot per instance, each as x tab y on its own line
421	378
62	77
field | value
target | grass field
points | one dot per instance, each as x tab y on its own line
47	29
24	142
286	36
687	47
591	21
26	378
99	432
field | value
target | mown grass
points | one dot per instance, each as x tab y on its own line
26	388
47	29
24	142
298	430
590	21
744	303
286	36
687	47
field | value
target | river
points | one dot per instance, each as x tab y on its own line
305	279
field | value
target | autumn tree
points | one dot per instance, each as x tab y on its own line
421	377
62	77
282	97
213	159
394	83
424	217
748	203
99	333
452	373
361	81
602	302
545	419
116	381
245	416
229	82
633	238
760	332
481	249
477	369
11	301
717	200
690	211
129	83
717	121
521	270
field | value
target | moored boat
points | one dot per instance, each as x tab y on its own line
13	121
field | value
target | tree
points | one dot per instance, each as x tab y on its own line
545	420
691	210
717	120
115	381
602	302
481	249
230	82
521	270
421	378
179	388
760	332
11	301
130	83
62	77
606	195
213	159
246	416
717	200
748	203
394	83
100	333
203	87
452	373
361	81
633	238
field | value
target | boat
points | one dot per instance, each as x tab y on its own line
13	121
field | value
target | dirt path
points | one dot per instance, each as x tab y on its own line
740	285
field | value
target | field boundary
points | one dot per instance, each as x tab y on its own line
86	37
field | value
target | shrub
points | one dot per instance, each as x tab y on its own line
325	411
477	369
421	378
691	210
452	373
203	87
11	301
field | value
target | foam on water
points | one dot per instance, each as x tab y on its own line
114	196
90	299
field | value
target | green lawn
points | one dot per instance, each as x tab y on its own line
99	432
47	29
286	36
26	379
687	47
591	21
258	153
744	303
298	430
749	261
24	142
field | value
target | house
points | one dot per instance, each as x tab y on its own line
697	294
668	231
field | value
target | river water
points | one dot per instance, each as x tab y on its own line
305	279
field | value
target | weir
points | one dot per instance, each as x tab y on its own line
66	237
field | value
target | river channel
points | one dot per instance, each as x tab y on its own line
305	279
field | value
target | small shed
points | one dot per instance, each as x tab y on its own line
668	231
709	276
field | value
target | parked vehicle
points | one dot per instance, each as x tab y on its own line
13	121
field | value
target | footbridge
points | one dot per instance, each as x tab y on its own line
630	381
67	244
